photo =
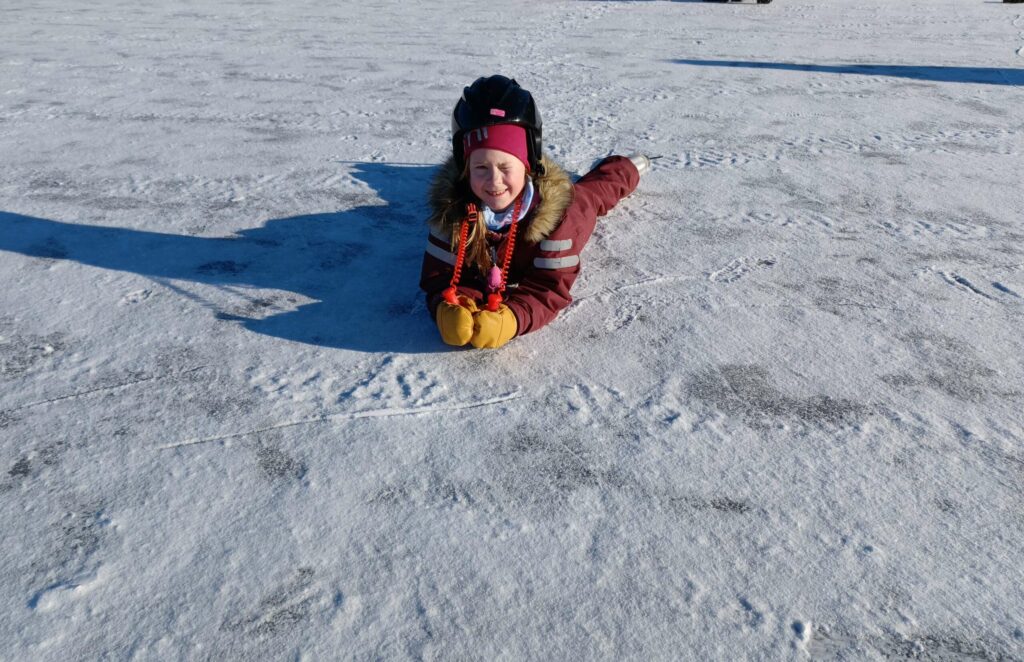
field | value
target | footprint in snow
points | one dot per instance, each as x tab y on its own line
138	296
740	267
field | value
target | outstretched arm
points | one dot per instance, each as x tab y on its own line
544	290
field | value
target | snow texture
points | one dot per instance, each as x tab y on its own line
781	420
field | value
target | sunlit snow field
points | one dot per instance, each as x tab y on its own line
781	421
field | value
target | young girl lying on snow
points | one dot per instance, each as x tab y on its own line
507	225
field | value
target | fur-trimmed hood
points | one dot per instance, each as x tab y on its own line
448	200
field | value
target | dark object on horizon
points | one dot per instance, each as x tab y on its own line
765	2
1013	2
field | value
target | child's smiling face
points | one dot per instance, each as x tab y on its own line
496	177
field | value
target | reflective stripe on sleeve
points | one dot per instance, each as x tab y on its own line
556	244
440	236
556	262
441	254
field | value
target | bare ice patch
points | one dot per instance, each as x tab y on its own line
747	392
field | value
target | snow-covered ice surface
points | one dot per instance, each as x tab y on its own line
782	420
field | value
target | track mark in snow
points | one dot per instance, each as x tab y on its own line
351	416
603	294
286	607
589	401
1004	289
740	267
743	613
74	568
390	377
56	594
714	158
138	296
961	283
100	389
720	504
630	311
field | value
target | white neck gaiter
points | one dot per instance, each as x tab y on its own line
498	221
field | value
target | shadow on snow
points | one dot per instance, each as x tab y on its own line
981	75
360	267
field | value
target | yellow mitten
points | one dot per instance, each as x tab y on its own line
456	322
492	330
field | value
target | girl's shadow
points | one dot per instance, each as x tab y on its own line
347	279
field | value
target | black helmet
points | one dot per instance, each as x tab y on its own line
497	100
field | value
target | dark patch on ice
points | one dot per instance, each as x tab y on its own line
21	353
984	108
745	391
900	380
890	158
545	466
273	134
21	468
838	296
6	419
828	643
221	404
286	607
278	465
116	203
947	505
721	504
833	644
45	184
179	358
959	256
437	491
50	455
530	469
982	218
82	533
258	307
391	495
1006	467
221	267
31	463
947	365
1011	249
687	502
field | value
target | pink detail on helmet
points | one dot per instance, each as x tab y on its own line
497	112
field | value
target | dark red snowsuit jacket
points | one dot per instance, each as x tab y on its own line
546	260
